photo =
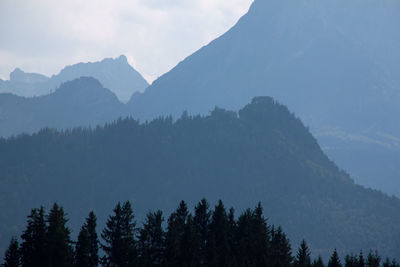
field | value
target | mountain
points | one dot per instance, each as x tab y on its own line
262	153
115	74
25	84
18	76
81	102
334	63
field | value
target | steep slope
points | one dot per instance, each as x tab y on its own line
263	153
81	102
114	74
332	62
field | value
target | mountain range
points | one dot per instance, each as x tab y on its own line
335	64
338	72
261	153
115	74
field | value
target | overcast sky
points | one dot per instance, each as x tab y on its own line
45	35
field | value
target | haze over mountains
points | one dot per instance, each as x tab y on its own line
262	153
114	74
335	64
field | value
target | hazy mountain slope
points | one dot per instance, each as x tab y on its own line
264	154
115	74
81	102
332	63
361	155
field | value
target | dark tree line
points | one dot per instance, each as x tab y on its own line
208	237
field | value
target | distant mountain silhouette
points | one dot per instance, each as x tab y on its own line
114	74
334	63
18	76
262	153
81	102
25	84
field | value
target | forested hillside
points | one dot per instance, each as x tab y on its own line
262	153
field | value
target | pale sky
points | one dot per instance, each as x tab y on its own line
43	36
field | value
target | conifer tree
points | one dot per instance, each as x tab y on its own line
220	253
119	237
233	236
318	262
151	243
201	221
334	261
361	261
280	248
33	246
373	259
261	236
246	247
394	263
12	255
82	250
174	237
91	224
303	257
58	243
388	263
87	246
351	261
191	244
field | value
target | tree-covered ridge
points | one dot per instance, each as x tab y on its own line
261	153
207	237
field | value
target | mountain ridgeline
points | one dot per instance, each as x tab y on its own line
115	74
333	63
262	153
83	101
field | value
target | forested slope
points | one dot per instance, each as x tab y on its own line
262	153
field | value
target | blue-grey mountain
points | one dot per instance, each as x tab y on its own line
81	102
114	74
334	63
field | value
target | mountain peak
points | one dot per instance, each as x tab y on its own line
122	58
19	75
16	74
262	100
115	74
